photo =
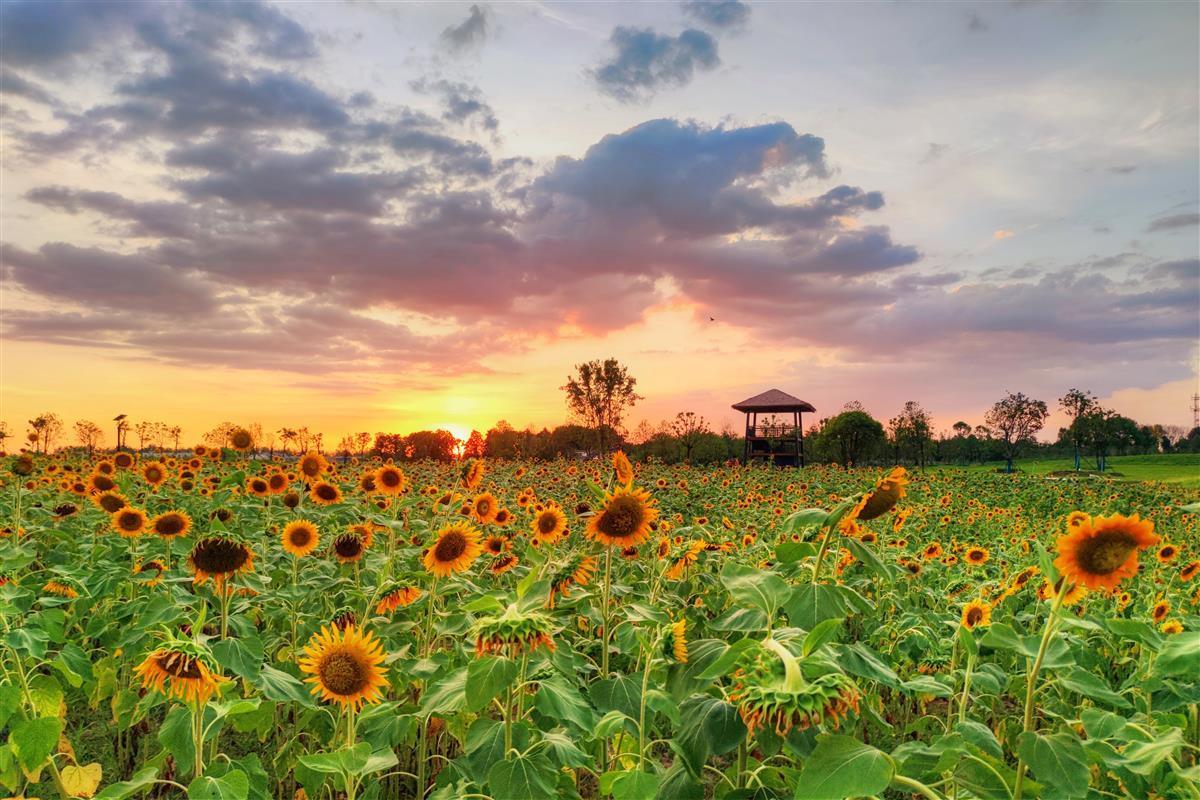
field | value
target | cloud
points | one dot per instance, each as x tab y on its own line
1173	222
461	102
15	84
644	62
1001	234
468	34
719	14
976	23
934	152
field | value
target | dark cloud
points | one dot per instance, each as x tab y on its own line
934	152
468	34
1173	222
13	83
52	33
461	102
142	219
644	62
720	14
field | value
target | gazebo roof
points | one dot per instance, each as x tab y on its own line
771	401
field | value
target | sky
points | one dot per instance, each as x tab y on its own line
392	216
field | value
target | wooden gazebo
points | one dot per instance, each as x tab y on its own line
778	442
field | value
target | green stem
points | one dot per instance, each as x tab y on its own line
1031	681
604	612
198	738
821	553
962	703
917	787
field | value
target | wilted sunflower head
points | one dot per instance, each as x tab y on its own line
625	519
349	547
888	491
782	699
397	595
513	633
180	669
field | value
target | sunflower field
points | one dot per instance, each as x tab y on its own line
226	628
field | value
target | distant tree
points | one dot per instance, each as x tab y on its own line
362	440
437	445
853	405
1075	404
45	430
1103	431
852	436
475	446
89	435
502	441
344	447
287	436
1016	419
176	433
4	434
961	429
688	429
910	432
389	445
599	395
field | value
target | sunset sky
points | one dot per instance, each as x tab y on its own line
390	216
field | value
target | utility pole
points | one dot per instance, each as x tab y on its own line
1196	411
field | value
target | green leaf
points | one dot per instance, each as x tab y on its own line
1179	657
282	687
522	776
1100	724
142	780
622	693
807	518
1143	757
754	588
842	766
233	785
33	740
824	633
629	785
447	695
561	701
487	677
243	657
812	604
708	726
1091	686
1058	761
10	701
867	556
563	751
175	735
791	552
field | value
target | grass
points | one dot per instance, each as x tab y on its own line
1182	469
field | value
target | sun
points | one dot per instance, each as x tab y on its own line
461	432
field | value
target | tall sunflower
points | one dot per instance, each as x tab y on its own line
623	469
549	525
325	494
312	465
389	479
625	519
220	559
129	522
344	666
1102	551
484	508
456	548
154	473
241	439
300	537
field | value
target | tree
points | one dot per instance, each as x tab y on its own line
175	432
389	445
362	440
1016	419
1075	404
122	427
503	441
689	429
44	431
853	435
89	435
438	445
599	395
475	446
1102	430
286	437
910	431
4	434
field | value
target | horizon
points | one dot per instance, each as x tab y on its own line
395	217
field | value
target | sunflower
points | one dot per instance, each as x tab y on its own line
1160	610
1189	571
109	501
495	545
1167	553
220	559
549	525
154	473
100	483
976	614
472	472
1077	518
504	563
390	480
129	522
679	644
258	486
397	597
503	517
349	548
513	633
1171	626
484	508
345	666
1048	591
312	465
765	699
883	498
61	589
154	568
179	671
123	460
300	537
1101	551
456	548
325	494
277	482
623	469
625	519
976	556
241	439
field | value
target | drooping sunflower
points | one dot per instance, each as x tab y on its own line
472	472
888	491
397	597
312	465
300	537
484	508
219	558
154	473
513	633
179	670
765	698
549	525
61	589
325	494
623	469
241	439
1075	592
625	519
1189	571
345	666
976	614
679	644
129	522
456	548
390	480
1102	551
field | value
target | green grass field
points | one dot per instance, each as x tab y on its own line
1182	469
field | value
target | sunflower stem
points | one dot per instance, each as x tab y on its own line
821	553
962	703
198	738
1031	681
604	612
